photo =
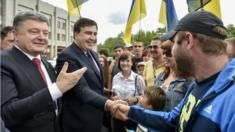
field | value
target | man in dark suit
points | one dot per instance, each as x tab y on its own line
29	88
83	106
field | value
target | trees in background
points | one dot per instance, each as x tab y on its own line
231	30
145	37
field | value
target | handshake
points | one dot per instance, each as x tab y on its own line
118	108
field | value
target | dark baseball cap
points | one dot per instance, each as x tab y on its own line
202	22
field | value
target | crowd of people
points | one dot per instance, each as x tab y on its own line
182	81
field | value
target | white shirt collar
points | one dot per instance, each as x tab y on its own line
28	55
131	77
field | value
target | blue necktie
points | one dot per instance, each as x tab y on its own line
92	61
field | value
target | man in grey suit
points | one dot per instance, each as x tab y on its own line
29	88
83	107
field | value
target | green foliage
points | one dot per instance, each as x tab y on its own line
146	37
231	30
110	43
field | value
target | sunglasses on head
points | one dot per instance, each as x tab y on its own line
167	52
153	46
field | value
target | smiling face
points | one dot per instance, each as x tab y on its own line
168	61
32	37
126	64
86	38
155	49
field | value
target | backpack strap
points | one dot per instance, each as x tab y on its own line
136	89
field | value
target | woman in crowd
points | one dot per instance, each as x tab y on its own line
107	91
126	86
174	82
105	66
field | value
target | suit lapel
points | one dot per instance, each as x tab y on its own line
28	68
85	60
98	64
50	70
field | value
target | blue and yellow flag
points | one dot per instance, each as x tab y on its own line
194	5
137	12
168	15
214	7
74	7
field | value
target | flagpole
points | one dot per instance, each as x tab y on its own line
139	27
80	15
201	9
139	24
79	12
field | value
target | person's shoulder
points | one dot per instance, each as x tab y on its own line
94	52
68	48
69	51
148	63
140	78
4	55
118	75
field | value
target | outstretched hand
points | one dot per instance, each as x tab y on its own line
66	81
120	111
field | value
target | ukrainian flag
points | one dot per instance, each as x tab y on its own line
194	5
212	6
168	15
74	7
137	12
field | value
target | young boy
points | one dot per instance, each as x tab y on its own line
140	68
153	98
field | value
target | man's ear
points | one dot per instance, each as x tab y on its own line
190	40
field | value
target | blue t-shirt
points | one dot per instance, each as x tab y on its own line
194	99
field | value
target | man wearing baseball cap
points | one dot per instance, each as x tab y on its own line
199	49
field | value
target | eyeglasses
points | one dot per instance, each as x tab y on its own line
167	52
153	46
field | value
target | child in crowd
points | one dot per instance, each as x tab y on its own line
154	98
140	68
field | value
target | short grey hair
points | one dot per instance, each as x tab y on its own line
23	16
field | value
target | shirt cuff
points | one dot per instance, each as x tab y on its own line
54	91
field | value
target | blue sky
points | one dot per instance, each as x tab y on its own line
111	15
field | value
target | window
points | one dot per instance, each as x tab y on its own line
71	38
49	22
71	27
64	26
58	36
63	36
58	24
49	35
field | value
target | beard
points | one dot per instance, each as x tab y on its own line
184	64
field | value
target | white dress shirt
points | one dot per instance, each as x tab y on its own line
52	87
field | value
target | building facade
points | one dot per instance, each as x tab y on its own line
60	22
